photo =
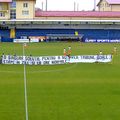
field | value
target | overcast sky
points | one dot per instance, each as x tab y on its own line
67	4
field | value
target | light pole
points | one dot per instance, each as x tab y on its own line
46	4
94	5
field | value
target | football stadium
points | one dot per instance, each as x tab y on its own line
59	65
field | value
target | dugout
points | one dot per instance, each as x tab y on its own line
64	37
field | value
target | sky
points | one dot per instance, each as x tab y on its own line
67	5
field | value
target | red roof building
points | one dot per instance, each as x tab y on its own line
79	14
112	1
109	5
5	0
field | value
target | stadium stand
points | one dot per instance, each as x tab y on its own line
5	35
86	33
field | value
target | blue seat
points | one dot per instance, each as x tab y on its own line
87	33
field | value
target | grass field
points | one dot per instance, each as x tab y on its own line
61	92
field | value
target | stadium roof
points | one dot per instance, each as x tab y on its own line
9	0
111	2
5	0
108	14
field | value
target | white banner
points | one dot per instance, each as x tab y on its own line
30	60
34	40
103	40
53	60
21	40
89	58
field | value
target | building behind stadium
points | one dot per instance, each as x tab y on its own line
19	18
25	9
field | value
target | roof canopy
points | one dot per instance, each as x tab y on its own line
5	0
12	0
77	14
113	1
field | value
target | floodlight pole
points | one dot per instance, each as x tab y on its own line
74	6
94	5
25	85
46	4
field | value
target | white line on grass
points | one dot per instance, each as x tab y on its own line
25	86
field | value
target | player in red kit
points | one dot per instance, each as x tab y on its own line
64	52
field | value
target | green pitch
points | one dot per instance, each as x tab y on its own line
61	92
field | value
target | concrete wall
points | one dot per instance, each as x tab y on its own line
115	7
69	26
77	18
